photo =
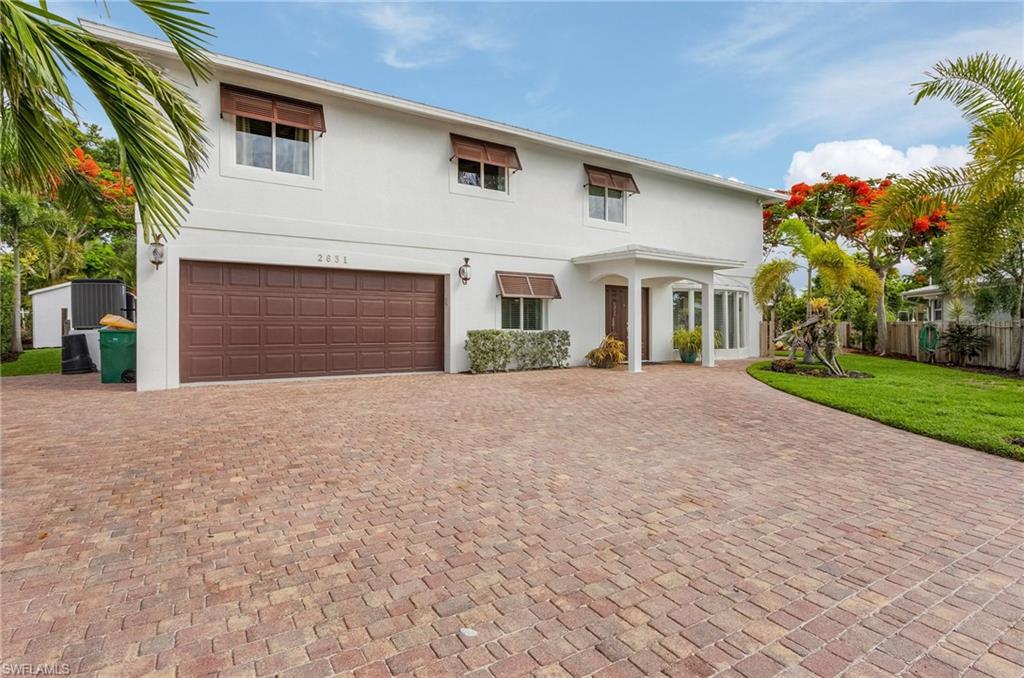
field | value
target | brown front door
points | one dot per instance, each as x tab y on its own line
616	314
252	321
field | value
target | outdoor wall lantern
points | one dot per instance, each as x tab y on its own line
465	271
156	253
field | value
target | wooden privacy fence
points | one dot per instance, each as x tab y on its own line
904	340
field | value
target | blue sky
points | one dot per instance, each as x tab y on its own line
766	93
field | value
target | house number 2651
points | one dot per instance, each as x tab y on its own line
331	259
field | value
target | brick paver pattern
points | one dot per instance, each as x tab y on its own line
682	521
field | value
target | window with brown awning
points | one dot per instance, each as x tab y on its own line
477	150
271	108
606	178
528	285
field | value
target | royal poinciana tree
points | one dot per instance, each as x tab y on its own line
840	209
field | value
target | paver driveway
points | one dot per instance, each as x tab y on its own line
682	520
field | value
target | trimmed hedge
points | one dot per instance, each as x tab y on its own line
504	350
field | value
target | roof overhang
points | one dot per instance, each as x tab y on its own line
926	292
51	288
153	46
646	253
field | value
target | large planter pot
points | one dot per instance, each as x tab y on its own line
688	356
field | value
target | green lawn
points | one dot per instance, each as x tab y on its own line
35	361
974	409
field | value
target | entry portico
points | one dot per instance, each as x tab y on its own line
643	266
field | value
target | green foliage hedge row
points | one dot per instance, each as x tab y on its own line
502	350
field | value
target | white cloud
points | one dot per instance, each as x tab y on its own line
870	158
415	37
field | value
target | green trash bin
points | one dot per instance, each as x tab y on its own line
117	356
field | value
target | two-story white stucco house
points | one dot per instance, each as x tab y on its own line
327	234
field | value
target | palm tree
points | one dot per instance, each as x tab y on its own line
18	212
158	126
839	272
987	224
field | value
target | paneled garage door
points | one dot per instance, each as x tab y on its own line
249	321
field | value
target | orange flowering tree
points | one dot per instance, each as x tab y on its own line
840	209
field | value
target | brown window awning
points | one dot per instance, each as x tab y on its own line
466	148
530	285
606	178
271	108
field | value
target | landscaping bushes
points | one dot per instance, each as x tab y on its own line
609	354
964	342
504	350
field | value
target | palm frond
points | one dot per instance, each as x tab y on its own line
157	124
980	85
981	233
769	278
920	193
177	19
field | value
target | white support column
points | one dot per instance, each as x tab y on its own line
726	320
738	331
635	323
689	311
707	340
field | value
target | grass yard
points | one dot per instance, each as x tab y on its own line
974	409
35	361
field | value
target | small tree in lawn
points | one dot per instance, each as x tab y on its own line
840	209
839	273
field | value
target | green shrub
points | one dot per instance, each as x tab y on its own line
504	350
686	340
964	342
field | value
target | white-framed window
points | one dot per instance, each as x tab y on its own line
483	175
606	204
731	309
936	309
522	313
273	146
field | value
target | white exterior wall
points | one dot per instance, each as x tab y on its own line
383	197
46	314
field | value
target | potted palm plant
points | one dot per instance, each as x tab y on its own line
687	342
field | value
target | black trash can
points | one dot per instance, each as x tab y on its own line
74	353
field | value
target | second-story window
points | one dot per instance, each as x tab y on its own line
272	132
273	146
608	204
483	165
606	193
486	175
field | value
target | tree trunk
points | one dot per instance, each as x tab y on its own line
1018	313
882	343
771	334
809	349
16	347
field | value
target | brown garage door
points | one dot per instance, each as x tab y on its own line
249	321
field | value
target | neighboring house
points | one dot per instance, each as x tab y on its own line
328	233
933	304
